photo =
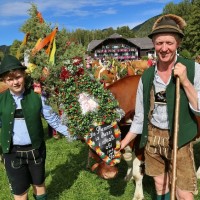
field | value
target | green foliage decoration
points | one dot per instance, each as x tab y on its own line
74	79
66	78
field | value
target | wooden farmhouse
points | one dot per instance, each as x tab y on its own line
120	48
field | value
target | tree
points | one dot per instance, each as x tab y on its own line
15	47
125	31
4	50
36	32
192	40
182	9
1	55
170	8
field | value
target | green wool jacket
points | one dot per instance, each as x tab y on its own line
31	107
187	123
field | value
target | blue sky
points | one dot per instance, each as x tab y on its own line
73	14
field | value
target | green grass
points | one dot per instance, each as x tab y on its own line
67	177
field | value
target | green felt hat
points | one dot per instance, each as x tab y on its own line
169	23
9	63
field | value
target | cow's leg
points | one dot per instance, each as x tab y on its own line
198	173
138	177
134	172
128	157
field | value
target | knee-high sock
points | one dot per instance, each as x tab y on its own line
40	197
163	196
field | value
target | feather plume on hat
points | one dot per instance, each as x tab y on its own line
169	23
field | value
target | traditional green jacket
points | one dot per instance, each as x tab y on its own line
31	107
187	123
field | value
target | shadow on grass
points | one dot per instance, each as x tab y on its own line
118	185
64	175
148	186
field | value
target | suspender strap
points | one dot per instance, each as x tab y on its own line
152	100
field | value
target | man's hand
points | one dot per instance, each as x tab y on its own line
181	72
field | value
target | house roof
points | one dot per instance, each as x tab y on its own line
115	36
142	43
93	44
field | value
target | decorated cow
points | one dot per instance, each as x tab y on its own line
124	91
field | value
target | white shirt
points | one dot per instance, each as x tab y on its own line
20	131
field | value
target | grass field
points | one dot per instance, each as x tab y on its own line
68	179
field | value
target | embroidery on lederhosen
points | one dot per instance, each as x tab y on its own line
160	97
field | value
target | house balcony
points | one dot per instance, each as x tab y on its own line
115	50
117	57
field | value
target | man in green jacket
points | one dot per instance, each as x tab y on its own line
22	135
155	109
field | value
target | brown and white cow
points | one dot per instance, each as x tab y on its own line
124	91
134	158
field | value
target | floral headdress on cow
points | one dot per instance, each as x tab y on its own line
57	64
84	104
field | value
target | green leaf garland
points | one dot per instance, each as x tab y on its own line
66	93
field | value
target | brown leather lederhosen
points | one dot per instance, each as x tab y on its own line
158	154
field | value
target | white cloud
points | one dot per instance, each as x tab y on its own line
60	7
109	11
10	22
14	9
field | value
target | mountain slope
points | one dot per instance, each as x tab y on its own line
142	30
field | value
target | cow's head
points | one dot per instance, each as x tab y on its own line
103	170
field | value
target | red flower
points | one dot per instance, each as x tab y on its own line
56	91
64	74
80	72
68	44
77	61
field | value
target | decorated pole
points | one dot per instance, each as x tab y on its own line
175	139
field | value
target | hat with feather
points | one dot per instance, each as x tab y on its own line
169	23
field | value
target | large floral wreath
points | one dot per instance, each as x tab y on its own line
86	104
82	100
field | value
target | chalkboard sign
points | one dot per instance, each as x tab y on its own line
104	137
